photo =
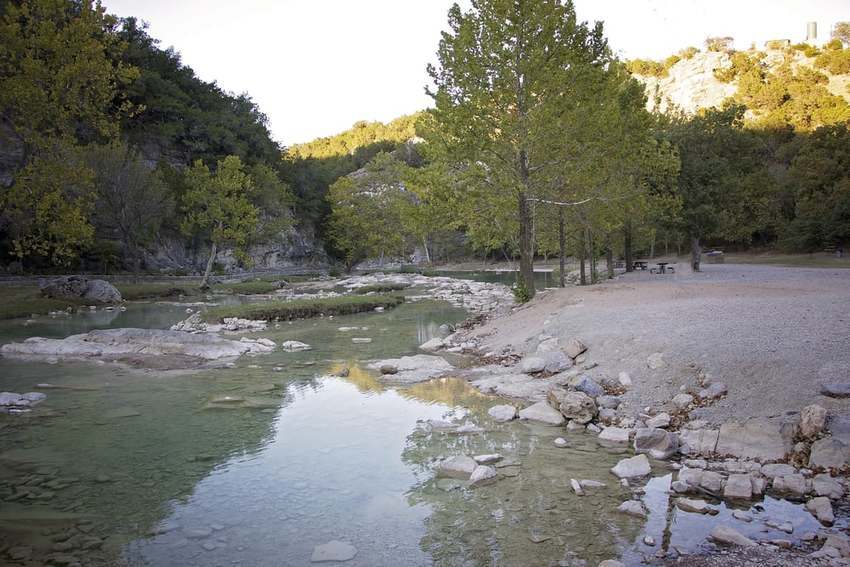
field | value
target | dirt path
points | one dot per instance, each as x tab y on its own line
772	334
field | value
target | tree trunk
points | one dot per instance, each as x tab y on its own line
627	246
652	246
526	261
609	257
205	281
696	253
591	253
427	253
562	248
582	256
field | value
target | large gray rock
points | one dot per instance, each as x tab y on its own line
482	474
154	347
533	364
608	402
555	361
829	453
412	369
80	288
698	442
459	466
614	436
578	407
738	486
633	467
543	413
574	347
821	508
713	391
836	389
758	439
586	385
825	485
633	508
657	443
791	484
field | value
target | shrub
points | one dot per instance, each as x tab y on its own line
836	62
808	50
719	43
688	52
646	68
380	288
521	293
303	308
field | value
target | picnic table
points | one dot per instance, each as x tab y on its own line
662	268
640	265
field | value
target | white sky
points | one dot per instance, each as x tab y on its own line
317	66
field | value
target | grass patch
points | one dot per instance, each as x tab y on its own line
303	308
380	288
23	301
155	290
252	287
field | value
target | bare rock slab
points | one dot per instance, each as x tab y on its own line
412	369
334	550
460	467
502	413
758	439
542	412
836	389
829	453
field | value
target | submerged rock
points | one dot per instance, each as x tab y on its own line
459	466
658	443
730	536
414	368
502	413
294	346
482	474
153	347
334	550
633	508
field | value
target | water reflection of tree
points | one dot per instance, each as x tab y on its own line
128	472
499	523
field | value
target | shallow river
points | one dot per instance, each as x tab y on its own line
149	469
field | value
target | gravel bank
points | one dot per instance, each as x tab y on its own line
772	334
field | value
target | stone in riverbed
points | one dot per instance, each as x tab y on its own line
624	379
433	345
459	466
658	443
294	346
608	402
694	506
543	413
633	508
792	484
738	486
829	453
574	347
532	364
836	390
482	474
578	407
388	369
487	459
730	536
334	550
560	442
586	385
713	392
812	421
662	421
614	436
502	413
555	361
416	368
655	361
633	467
825	485
759	439
821	508
698	442
777	469
682	401
711	481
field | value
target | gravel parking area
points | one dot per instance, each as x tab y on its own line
772	334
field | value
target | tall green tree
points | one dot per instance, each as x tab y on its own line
505	72
217	205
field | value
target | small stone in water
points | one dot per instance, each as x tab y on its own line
333	551
743	516
649	540
560	442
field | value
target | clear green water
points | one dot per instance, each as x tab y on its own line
163	475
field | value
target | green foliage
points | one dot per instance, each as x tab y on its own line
836	61
49	206
365	215
744	66
688	52
58	75
647	68
818	187
303	308
521	293
218	204
255	287
807	49
719	43
380	288
841	32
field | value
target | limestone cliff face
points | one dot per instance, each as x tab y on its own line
690	84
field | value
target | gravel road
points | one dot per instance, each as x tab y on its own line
772	334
